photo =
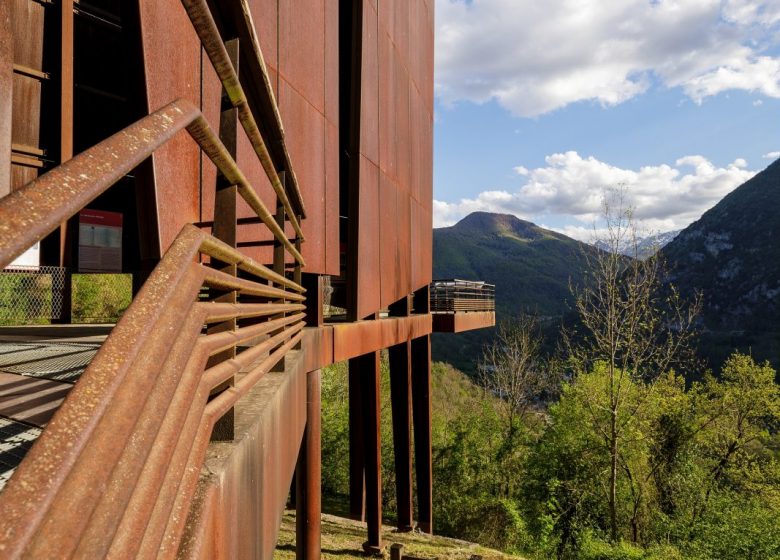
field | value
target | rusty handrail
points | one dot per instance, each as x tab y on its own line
28	214
206	28
125	448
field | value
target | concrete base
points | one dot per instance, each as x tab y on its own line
244	483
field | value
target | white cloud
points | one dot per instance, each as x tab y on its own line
771	155
534	57
520	170
664	197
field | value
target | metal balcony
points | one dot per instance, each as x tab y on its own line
462	305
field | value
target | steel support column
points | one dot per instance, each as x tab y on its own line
224	229
401	401
308	474
421	399
367	367
6	97
66	149
357	502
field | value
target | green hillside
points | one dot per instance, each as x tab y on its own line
531	267
732	255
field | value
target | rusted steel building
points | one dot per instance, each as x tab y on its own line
269	163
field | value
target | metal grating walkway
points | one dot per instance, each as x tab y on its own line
35	377
59	361
16	438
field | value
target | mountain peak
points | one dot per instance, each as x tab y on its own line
499	224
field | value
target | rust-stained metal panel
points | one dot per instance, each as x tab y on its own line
460	322
302	48
405	249
368	259
401	30
417	148
427	248
332	190
396	125
404	126
305	131
265	14
388	136
176	165
331	62
318	347
388	241
417	242
369	86
211	95
252	474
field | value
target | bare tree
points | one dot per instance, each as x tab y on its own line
512	369
632	322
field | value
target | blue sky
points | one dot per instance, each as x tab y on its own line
540	107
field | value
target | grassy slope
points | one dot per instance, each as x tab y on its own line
342	538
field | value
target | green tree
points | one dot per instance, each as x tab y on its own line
632	324
739	411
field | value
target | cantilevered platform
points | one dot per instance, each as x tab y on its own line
462	305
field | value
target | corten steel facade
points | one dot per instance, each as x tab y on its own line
342	96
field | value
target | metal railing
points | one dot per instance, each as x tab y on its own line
125	448
460	296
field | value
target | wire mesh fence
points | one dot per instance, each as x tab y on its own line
101	298
31	295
